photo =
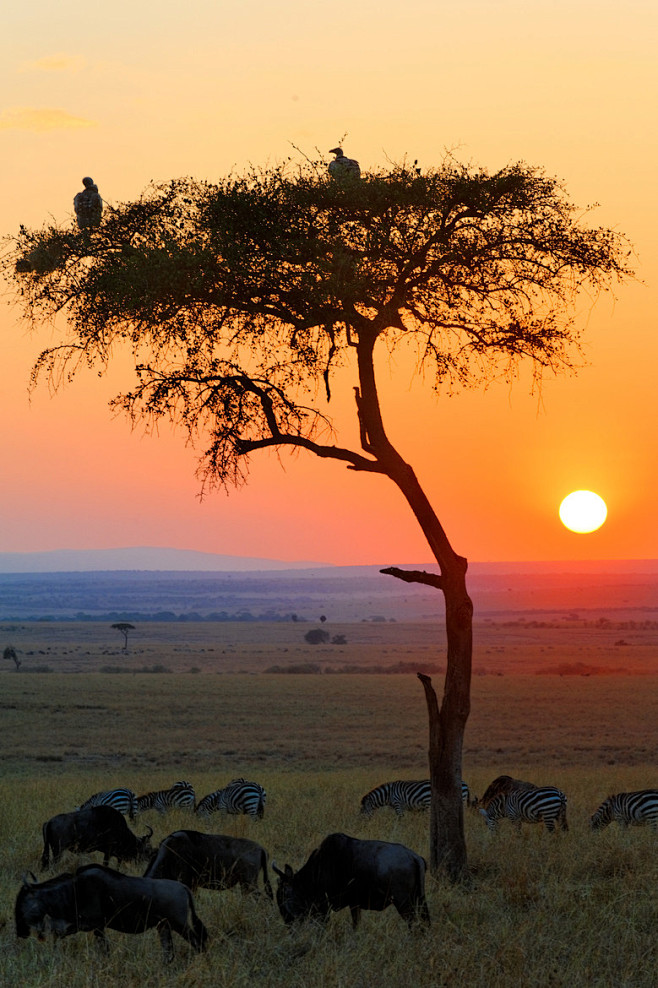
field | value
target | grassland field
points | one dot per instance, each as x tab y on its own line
571	909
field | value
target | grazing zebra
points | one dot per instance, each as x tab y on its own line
628	809
403	795
543	804
180	796
123	800
239	796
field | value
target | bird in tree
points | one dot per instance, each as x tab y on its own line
245	301
342	168
88	205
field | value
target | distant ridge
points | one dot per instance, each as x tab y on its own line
154	559
141	558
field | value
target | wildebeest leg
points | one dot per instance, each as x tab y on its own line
356	916
45	857
164	932
193	931
101	940
414	912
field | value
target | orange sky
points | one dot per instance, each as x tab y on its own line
135	92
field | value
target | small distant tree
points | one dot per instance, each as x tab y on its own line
10	653
339	640
317	636
125	630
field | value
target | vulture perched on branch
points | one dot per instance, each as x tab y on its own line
342	168
88	205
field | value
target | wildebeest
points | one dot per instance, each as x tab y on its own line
97	828
95	898
501	786
359	874
211	861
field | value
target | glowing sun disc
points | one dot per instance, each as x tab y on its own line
583	511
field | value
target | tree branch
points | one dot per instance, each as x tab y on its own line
414	576
354	460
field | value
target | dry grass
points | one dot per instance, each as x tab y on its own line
574	909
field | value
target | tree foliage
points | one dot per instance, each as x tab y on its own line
241	300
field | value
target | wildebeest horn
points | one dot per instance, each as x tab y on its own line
150	833
25	881
276	870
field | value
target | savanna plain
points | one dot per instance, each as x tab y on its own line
318	726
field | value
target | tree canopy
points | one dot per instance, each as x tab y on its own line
242	299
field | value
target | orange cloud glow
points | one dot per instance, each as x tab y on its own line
40	119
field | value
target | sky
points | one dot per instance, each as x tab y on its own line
130	93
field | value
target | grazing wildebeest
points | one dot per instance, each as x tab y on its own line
359	874
210	861
95	898
501	786
97	828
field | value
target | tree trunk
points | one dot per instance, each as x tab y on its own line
447	722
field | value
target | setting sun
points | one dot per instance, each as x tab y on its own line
583	511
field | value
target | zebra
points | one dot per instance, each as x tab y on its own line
123	800
543	804
628	809
403	795
180	796
239	796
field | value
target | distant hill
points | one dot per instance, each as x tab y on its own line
152	558
341	593
140	558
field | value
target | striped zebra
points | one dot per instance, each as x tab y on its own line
179	796
123	800
628	809
403	795
543	804
239	796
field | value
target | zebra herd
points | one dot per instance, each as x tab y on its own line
520	802
239	796
505	798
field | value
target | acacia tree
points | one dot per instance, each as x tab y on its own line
241	299
125	628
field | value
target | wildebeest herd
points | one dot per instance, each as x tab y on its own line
343	872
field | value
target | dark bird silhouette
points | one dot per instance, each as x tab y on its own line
343	168
88	205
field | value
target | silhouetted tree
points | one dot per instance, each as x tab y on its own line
240	299
317	636
10	653
125	630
